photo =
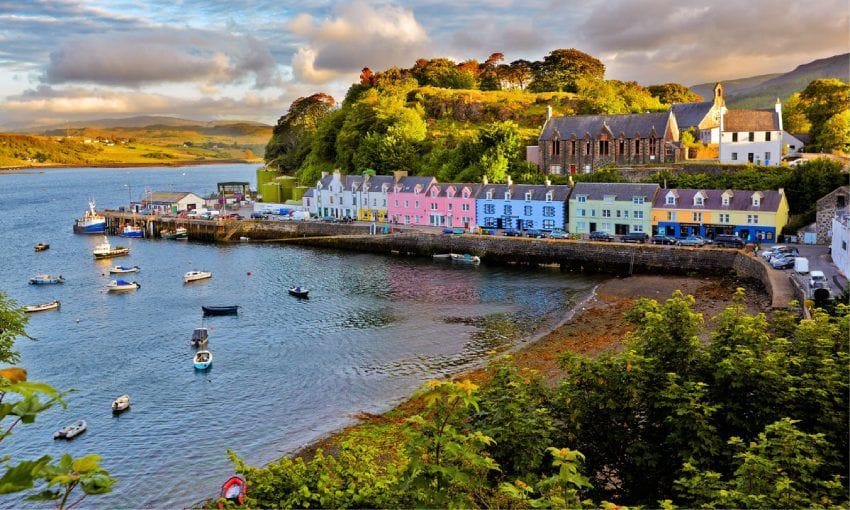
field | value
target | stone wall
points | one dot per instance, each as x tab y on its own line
826	207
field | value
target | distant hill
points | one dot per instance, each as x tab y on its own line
762	91
141	121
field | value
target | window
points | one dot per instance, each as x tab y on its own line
556	148
450	206
489	222
549	224
507	195
622	148
587	147
637	146
603	147
581	199
593	212
625	213
734	137
416	204
549	196
698	216
572	147
489	195
653	146
555	169
384	202
605	227
433	206
725	200
751	137
606	213
528	196
581	212
527	210
638	215
671	200
724	218
767	156
844	245
465	207
671	215
548	210
332	199
608	199
637	228
637	200
752	219
698	200
508	210
734	156
528	224
581	225
767	136
406	204
756	201
489	209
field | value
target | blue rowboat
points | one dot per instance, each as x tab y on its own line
44	279
202	360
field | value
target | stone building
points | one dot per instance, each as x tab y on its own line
583	143
703	118
828	206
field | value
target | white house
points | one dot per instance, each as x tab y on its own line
170	202
793	144
751	136
841	243
335	195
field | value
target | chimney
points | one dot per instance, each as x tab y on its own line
398	174
548	182
778	108
570	181
485	180
510	181
324	174
781	191
548	112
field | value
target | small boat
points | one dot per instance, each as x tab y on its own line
179	234
193	276
70	431
124	269
92	222
442	256
233	490
42	247
299	292
202	360
46	279
53	305
121	404
122	285
132	231
105	250
220	310
199	337
244	239
466	258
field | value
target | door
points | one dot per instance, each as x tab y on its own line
621	229
499	223
593	227
750	157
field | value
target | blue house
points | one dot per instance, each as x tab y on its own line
522	206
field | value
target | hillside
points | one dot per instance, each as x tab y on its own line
762	91
140	121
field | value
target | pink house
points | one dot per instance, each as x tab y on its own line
451	205
407	200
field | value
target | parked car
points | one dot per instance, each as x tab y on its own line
801	265
782	262
664	240
513	233
770	252
635	237
538	234
600	235
258	216
693	241
558	234
817	281
329	219
729	241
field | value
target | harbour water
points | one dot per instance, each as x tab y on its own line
285	371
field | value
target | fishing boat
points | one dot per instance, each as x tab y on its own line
53	305
70	431
299	292
179	234
46	279
42	247
220	310
124	269
202	360
132	231
233	490
122	286
199	337
105	250
121	404
193	276
466	258
92	222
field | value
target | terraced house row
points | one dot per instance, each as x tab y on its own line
615	208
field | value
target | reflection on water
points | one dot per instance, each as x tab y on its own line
286	371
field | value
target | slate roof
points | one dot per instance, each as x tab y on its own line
408	184
628	125
623	192
691	114
742	200
750	120
375	182
560	192
308	192
803	137
168	197
474	188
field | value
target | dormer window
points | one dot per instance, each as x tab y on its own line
434	192
489	195
756	201
699	200
465	193
671	200
548	196
507	195
725	200
528	196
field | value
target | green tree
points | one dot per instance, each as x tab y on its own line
614	97
794	118
824	98
835	135
499	143
562	69
292	136
670	93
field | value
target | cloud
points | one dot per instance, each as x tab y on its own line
360	35
161	55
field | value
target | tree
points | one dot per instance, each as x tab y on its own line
291	137
489	72
670	93
614	96
499	143
562	69
794	115
824	98
835	135
517	74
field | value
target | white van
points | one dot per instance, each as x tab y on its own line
801	265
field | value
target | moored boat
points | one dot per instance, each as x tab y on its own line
105	250
122	285
132	231
179	234
193	276
70	431
42	247
46	279
53	305
299	292
199	337
466	258
220	310
92	222
442	256
121	404
202	360
233	490
124	269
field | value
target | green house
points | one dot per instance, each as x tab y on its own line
615	208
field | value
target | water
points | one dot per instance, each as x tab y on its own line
285	371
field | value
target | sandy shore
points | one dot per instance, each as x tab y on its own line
595	327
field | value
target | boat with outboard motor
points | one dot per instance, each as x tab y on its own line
46	279
124	269
202	360
122	285
53	305
70	431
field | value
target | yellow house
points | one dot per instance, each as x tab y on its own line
752	215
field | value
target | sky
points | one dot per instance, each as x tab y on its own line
249	59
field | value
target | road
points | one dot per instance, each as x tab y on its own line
819	260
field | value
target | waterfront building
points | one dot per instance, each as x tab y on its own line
751	136
452	205
522	206
373	197
582	143
752	215
615	208
703	118
335	195
169	202
407	199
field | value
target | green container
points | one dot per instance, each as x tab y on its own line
298	192
265	175
271	192
286	181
